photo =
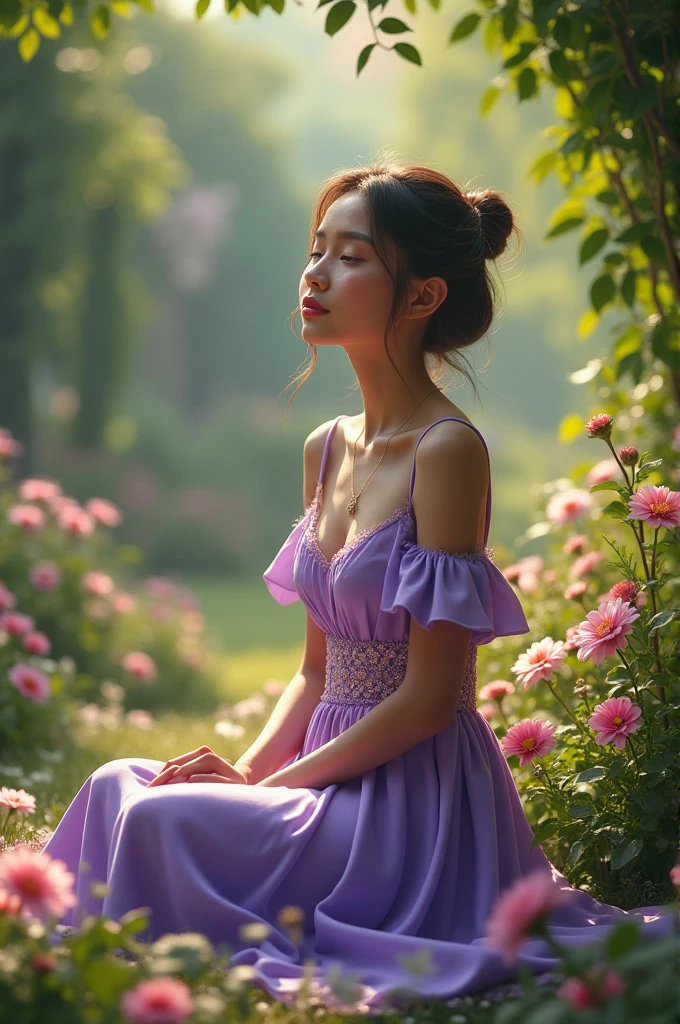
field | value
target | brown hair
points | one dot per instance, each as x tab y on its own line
438	230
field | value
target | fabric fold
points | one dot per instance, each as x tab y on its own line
278	575
468	589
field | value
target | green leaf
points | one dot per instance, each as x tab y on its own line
608	197
45	24
592	245
488	100
410	6
28	45
636	232
562	68
580	810
100	22
338	16
201	7
575	852
617	510
661	619
393	25
465	27
363	57
649	823
666	344
408	52
572	143
602	291
598	771
659	762
542	166
606	485
654	250
520	56
622	938
527	84
561	228
627	287
625	852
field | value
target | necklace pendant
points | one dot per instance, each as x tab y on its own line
352	506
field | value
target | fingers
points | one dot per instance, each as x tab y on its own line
183	758
164	776
213	777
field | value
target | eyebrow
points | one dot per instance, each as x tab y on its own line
358	235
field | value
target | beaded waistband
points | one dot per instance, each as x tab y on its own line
367	671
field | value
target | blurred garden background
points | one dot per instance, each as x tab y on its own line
156	185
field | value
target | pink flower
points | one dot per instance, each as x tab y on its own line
593	989
7	598
539	661
526	572
36	643
274	687
675	875
570	639
45	576
18	800
549	576
16	623
574	543
496	690
527	582
38	490
603	631
629	455
123	603
43	963
76	520
606	469
625	589
44	885
9	447
641	599
61	501
614	719
163	1000
511	572
563	506
98	583
657	506
30	682
532	737
575	590
585	563
28	517
141	666
140	719
600	425
519	908
487	711
105	512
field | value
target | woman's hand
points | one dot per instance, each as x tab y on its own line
200	765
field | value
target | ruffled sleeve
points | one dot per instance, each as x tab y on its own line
278	575
467	588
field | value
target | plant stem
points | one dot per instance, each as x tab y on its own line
573	718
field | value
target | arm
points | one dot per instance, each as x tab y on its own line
449	501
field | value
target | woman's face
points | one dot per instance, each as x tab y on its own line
346	277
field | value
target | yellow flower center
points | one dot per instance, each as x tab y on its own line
617	720
661	508
604	627
528	743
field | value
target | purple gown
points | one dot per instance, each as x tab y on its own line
408	856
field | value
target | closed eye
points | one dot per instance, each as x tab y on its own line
354	259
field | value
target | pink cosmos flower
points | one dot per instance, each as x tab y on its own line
600	425
61	501
16	623
527	582
585	563
563	506
487	711
528	901
570	639
140	719
45	576
36	643
105	512
44	885
532	737
593	989
7	598
18	800
496	689
615	719
75	520
574	543
606	469
38	489
657	506
30	682
140	665
675	875
28	517
603	631
123	603
9	447
625	589
575	590
98	583
163	1000
539	661
629	455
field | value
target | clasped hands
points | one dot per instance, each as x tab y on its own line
200	765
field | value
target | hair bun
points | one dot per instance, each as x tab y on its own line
496	219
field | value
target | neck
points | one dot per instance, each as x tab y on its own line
388	401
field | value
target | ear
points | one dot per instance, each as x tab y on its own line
426	296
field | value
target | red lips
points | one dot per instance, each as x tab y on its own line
309	303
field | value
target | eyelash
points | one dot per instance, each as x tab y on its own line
354	259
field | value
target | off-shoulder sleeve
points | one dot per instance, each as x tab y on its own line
278	575
466	588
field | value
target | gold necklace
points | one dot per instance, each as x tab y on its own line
352	506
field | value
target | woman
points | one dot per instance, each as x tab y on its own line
391	818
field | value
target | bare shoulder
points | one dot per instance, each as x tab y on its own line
450	488
312	455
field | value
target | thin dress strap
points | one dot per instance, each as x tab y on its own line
327	445
413	467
